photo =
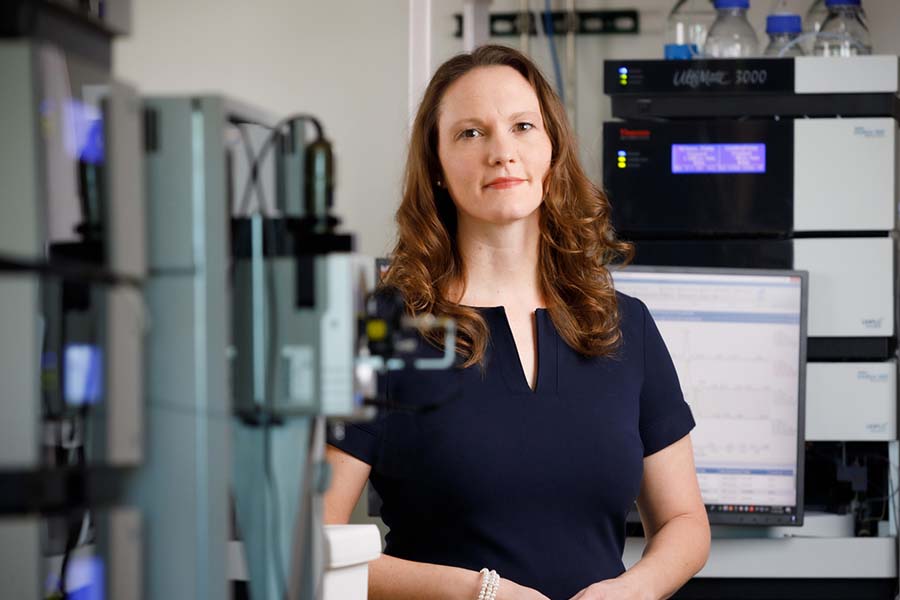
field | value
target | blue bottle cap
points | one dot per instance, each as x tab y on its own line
680	51
732	3
784	24
842	2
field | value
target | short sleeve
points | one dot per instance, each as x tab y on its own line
665	417
360	440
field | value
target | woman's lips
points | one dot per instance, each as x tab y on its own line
504	184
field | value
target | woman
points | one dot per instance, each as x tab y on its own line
565	405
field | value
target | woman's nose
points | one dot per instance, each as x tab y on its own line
502	151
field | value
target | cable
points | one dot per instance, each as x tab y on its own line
817	34
71	541
74	529
548	29
251	164
267	145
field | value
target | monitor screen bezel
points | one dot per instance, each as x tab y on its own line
717	517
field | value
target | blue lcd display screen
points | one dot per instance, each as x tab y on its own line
718	158
81	128
85	579
83	374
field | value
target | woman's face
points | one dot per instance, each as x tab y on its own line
493	147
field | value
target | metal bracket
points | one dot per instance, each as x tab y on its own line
586	22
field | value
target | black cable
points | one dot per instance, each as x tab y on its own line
238	121
267	145
71	542
252	165
74	527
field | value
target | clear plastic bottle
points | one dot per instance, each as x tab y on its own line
783	32
844	32
731	35
815	16
812	23
687	26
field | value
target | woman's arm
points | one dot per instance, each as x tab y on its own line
393	578
674	519
675	525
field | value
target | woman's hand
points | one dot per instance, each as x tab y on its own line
613	589
510	590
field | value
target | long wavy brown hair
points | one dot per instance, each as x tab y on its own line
577	239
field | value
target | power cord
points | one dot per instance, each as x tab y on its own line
267	145
252	165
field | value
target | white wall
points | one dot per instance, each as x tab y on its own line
343	61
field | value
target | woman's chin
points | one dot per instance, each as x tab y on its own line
508	215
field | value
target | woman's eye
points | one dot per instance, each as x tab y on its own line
524	126
469	133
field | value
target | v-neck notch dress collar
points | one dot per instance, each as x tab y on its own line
505	354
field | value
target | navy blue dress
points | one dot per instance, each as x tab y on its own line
534	484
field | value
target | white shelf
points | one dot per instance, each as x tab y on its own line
844	558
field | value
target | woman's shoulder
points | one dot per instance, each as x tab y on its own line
634	317
631	309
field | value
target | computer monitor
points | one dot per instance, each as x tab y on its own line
738	341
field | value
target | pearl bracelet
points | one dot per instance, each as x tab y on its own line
490	583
